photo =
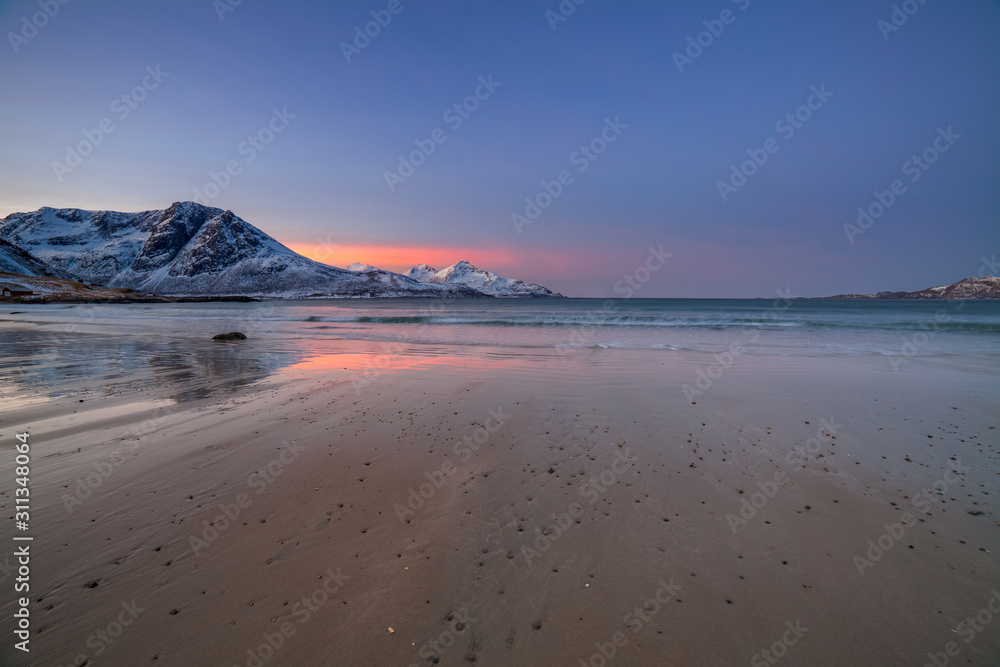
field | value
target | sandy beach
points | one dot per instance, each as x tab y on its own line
436	506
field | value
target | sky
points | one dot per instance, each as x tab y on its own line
589	140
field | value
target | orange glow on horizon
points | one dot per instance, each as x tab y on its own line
401	258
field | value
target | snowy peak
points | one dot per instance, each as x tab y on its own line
463	268
175	227
421	272
464	273
361	267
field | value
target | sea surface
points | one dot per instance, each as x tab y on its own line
51	344
787	327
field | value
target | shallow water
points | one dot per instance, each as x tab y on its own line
778	327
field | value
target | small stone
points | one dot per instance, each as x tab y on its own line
232	335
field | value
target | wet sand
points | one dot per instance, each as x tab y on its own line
507	510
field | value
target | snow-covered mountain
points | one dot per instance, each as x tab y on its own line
15	260
421	272
194	250
464	273
969	288
361	267
987	287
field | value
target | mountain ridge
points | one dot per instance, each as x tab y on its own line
192	249
420	272
984	287
18	261
464	273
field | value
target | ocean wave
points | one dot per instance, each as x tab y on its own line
719	324
569	320
586	317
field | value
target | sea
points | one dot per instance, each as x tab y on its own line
894	330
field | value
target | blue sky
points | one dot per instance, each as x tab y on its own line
320	184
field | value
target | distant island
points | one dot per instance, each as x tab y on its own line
191	250
970	288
